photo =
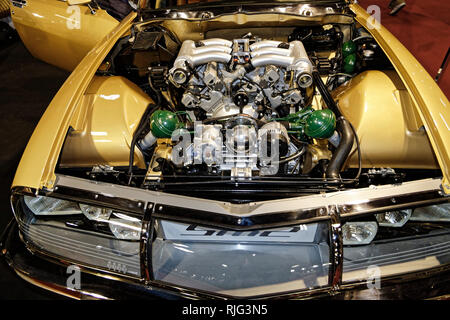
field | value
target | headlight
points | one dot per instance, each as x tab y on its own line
121	225
407	240
42	206
95	213
438	213
125	227
393	218
359	233
86	234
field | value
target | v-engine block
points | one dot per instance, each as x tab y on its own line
225	77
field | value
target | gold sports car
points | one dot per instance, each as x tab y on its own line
229	149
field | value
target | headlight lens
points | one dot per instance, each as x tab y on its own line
82	233
95	213
125	227
359	233
42	206
437	213
404	244
121	225
393	218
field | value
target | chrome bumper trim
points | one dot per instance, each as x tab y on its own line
248	216
47	274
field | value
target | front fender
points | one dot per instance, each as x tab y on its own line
37	165
429	100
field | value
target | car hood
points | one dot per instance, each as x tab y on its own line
208	10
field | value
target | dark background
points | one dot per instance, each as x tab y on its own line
27	86
423	26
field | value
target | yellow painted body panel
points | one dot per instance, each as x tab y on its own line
431	104
60	34
104	124
380	109
37	165
4	8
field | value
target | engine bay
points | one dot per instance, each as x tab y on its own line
286	110
244	95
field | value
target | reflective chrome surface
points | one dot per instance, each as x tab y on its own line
254	215
46	273
212	10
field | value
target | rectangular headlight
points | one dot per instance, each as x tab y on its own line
404	244
396	218
80	233
359	233
437	213
50	206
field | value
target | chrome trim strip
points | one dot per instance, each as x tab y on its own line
303	209
127	204
146	246
355	198
336	251
247	222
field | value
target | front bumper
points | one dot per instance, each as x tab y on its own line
51	274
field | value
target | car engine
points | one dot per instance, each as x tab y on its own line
227	77
246	95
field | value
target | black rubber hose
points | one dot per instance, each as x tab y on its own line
140	128
292	157
342	126
343	149
358	147
326	96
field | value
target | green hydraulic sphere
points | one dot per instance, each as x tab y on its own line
348	48
320	124
350	63
163	123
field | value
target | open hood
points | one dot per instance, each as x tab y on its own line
207	10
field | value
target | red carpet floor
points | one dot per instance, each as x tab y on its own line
423	26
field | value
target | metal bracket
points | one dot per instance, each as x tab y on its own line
148	228
19	3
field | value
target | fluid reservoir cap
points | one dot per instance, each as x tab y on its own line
320	124
348	48
163	123
350	63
